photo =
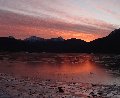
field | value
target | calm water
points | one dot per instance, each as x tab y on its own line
63	67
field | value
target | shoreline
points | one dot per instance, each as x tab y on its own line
24	87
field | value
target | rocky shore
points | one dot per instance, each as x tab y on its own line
12	86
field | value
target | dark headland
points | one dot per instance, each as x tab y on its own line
108	44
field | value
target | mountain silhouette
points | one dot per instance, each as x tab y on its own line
34	39
108	44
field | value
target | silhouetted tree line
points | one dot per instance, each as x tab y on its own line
108	44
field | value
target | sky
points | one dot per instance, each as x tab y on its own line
81	19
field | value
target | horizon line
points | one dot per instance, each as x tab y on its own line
51	38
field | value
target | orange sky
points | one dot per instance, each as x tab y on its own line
68	18
25	32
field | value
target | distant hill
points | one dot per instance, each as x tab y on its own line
108	44
115	34
34	39
11	44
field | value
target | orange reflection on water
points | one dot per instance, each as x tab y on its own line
82	67
85	67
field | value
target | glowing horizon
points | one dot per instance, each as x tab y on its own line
81	19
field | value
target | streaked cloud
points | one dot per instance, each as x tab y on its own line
52	18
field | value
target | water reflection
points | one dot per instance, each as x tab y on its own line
61	67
